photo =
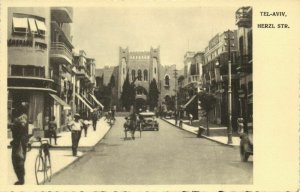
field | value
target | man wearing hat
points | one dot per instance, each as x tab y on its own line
75	127
19	143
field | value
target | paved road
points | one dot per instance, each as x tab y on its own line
169	156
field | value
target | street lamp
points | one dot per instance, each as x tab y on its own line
229	130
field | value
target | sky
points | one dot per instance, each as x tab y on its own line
100	31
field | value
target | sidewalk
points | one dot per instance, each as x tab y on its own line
61	154
217	138
64	138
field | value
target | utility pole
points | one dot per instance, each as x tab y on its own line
229	130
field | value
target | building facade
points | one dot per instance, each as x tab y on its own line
220	49
42	69
61	59
142	67
29	78
244	69
191	82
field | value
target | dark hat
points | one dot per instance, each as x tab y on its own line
76	115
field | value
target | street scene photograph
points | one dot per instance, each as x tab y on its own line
131	95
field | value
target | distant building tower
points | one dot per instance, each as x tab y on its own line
142	67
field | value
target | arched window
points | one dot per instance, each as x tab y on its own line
145	75
155	70
133	74
139	75
167	80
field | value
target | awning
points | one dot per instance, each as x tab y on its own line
95	99
32	25
60	101
184	106
83	101
20	23
41	25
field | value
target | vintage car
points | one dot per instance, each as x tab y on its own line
148	121
246	143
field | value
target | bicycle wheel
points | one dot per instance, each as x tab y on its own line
48	168
39	170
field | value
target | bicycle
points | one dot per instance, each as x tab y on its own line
42	167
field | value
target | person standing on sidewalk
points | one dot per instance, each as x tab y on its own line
19	143
75	127
85	126
191	118
95	119
176	116
52	129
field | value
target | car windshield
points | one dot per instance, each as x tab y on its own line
148	117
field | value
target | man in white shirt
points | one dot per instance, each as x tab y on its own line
75	127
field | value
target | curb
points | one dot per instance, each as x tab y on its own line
203	136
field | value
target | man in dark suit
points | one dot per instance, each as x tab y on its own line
19	143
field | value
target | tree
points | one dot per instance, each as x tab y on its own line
110	87
153	94
126	94
112	81
207	103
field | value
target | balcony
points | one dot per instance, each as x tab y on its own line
243	17
62	14
60	53
64	37
82	74
26	83
192	79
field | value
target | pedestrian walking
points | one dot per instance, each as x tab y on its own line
113	112
52	130
133	124
191	118
19	143
85	126
95	119
75	127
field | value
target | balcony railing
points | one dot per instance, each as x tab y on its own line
60	50
192	79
